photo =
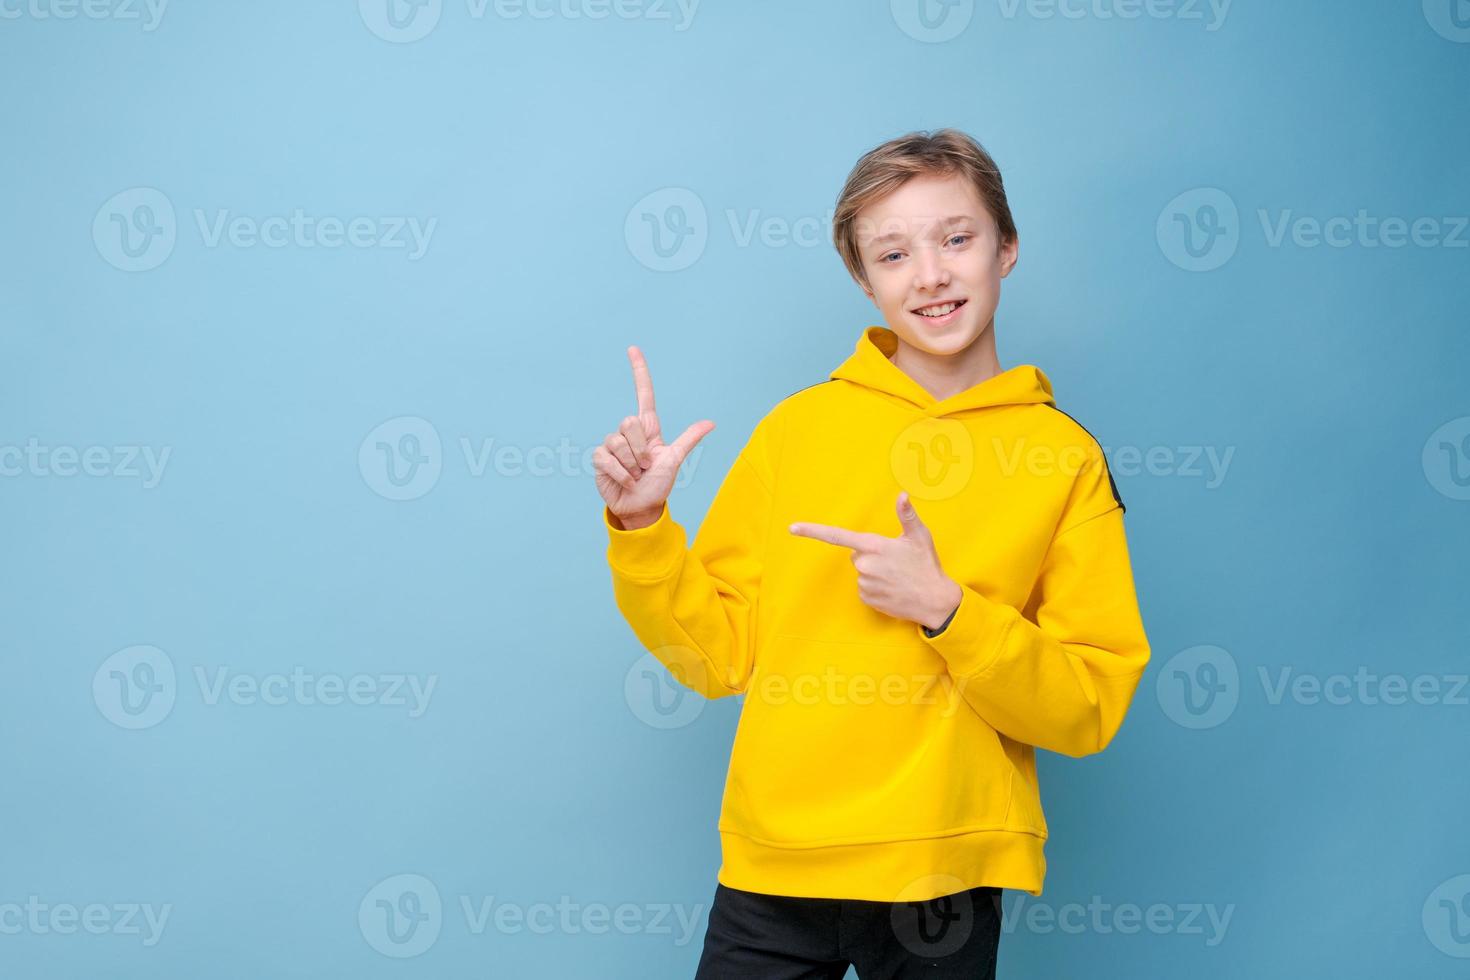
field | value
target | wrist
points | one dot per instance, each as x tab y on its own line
944	609
635	522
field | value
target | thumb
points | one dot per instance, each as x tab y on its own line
913	527
683	445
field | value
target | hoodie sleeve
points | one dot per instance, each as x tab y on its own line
694	607
1062	678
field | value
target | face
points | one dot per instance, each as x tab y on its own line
931	243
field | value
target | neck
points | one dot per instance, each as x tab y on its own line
946	375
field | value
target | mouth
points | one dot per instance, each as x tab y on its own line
939	314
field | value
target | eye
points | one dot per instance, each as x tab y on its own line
964	235
889	256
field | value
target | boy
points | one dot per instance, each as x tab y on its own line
916	572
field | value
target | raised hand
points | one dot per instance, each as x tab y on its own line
899	577
634	467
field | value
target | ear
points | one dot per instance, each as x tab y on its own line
1010	254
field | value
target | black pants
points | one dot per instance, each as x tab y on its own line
778	937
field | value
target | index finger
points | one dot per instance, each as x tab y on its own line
641	381
840	536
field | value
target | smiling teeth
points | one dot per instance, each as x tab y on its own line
935	311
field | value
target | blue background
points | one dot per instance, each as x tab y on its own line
1332	543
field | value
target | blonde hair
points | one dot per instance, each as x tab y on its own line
884	169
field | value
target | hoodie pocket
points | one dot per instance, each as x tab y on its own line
1025	812
843	742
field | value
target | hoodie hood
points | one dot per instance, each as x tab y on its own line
871	366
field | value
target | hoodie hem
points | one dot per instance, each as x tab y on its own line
886	871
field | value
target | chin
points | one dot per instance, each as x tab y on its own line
946	341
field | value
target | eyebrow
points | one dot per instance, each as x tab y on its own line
898	235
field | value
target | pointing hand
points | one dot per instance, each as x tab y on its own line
634	467
900	577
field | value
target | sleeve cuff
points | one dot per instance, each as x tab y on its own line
647	552
940	628
975	633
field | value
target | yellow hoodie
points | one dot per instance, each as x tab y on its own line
873	760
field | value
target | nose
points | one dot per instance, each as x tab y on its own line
930	272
